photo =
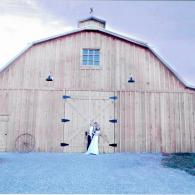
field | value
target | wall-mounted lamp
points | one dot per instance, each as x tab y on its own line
49	78
131	80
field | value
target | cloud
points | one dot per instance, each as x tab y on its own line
19	7
24	23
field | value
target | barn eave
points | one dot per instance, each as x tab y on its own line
128	39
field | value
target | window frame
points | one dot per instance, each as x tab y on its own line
82	66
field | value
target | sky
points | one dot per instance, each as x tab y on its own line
167	26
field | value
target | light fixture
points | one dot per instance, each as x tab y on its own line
49	78
131	80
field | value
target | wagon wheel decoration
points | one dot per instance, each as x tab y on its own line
25	143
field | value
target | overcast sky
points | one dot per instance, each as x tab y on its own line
169	27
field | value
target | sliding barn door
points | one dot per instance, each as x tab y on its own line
83	107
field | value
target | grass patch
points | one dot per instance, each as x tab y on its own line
182	161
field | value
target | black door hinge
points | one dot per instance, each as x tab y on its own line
113	145
113	121
64	144
65	120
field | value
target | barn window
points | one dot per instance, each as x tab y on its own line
91	57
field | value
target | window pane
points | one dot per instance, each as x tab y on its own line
90	58
90	62
90	52
84	62
96	63
96	58
84	57
96	51
85	51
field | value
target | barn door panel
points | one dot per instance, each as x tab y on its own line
74	131
83	108
3	132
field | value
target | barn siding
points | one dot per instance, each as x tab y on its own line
156	113
37	112
147	121
61	57
155	121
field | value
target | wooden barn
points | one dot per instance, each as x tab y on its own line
53	89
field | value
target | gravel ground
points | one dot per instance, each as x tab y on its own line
80	173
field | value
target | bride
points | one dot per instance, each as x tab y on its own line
93	147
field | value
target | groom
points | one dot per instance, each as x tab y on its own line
90	134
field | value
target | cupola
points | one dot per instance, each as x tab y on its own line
92	22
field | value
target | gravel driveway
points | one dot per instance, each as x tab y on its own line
80	173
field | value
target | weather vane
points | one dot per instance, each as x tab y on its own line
91	11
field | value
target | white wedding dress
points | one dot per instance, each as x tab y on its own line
93	147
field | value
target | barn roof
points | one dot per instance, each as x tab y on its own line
128	39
